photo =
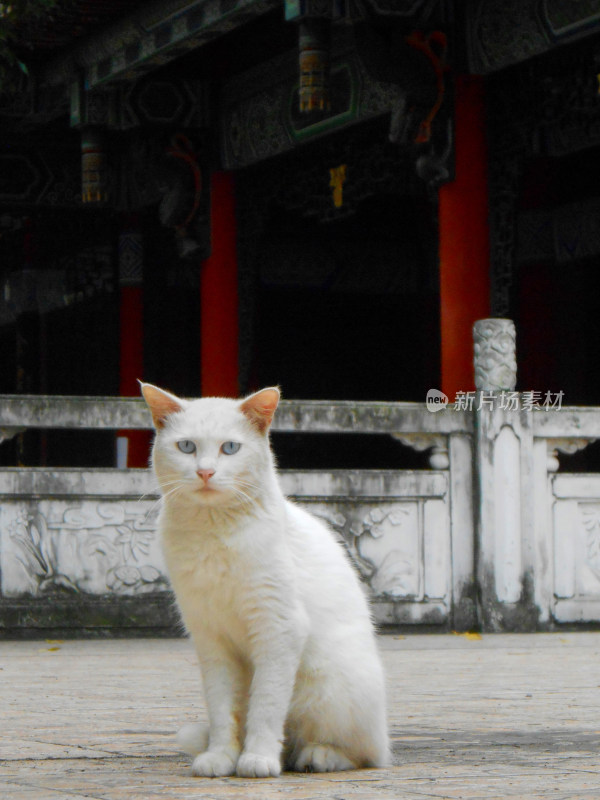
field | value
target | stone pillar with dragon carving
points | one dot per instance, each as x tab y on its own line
495	353
505	469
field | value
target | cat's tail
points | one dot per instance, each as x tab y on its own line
193	738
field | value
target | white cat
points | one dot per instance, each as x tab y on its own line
277	614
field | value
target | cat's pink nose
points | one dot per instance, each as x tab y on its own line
205	474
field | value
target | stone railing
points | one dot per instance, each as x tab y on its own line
492	535
78	547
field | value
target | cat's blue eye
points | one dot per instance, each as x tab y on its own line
186	446
229	448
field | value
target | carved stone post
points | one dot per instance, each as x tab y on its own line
495	354
504	468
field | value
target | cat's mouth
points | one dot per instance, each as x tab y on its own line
208	492
205	485
210	496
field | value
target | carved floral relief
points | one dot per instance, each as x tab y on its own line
92	547
384	542
590	515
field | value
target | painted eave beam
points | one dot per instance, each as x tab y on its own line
156	34
502	33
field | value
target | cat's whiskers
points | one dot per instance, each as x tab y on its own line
178	486
246	482
242	486
242	494
245	498
243	483
157	489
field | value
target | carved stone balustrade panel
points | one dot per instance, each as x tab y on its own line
576	563
80	546
396	529
73	539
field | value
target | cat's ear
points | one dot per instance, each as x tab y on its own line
260	407
161	404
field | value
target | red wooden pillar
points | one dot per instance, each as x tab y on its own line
464	240
219	324
132	446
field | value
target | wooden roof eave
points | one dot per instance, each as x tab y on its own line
154	35
503	33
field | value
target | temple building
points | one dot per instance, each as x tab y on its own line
217	195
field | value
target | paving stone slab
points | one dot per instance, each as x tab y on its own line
502	716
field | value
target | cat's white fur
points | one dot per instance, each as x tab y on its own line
277	614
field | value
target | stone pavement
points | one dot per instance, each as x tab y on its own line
503	716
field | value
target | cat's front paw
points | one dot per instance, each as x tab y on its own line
251	765
213	764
